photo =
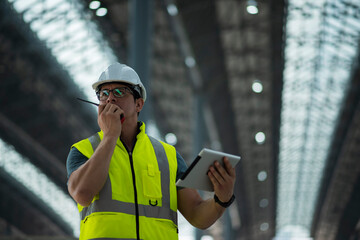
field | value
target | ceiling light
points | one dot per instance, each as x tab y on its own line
264	226
94	5
262	176
252	7
263	203
172	9
190	62
257	86
171	138
260	137
101	12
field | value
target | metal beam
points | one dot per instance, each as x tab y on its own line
140	47
343	152
29	147
20	207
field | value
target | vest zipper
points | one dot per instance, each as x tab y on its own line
135	194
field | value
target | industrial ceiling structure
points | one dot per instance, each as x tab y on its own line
276	82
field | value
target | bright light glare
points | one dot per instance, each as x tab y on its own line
172	10
101	12
260	137
76	43
264	226
190	62
23	171
262	176
94	5
291	232
171	138
252	9
207	237
257	87
152	130
186	230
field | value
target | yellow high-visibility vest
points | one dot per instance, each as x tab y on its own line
139	198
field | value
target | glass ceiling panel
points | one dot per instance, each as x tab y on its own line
76	42
322	41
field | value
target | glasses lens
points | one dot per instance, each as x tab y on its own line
104	94
119	92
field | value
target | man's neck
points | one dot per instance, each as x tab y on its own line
128	136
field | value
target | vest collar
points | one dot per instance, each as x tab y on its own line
140	133
141	130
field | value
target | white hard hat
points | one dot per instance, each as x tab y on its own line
122	73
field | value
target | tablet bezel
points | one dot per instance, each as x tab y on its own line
196	175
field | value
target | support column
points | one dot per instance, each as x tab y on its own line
141	28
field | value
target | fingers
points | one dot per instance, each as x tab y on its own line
223	179
101	108
110	108
230	170
105	108
109	119
218	173
224	172
221	176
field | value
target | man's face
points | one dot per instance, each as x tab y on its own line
122	96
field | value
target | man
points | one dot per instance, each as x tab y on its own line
124	180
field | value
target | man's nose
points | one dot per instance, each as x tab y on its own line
111	97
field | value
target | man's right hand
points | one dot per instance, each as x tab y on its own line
109	119
85	182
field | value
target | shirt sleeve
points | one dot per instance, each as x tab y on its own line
74	160
182	167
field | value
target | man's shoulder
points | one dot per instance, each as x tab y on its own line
165	144
94	136
88	145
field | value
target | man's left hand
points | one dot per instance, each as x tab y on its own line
223	179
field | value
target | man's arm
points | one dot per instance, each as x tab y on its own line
88	180
203	213
85	182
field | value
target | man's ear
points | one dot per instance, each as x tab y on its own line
139	104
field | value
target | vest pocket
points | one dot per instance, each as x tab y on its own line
151	179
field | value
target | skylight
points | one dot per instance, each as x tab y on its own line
322	41
73	39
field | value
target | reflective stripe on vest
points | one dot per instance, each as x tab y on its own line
95	141
112	239
107	204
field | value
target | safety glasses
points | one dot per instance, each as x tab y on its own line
119	92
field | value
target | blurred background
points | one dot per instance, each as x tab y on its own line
274	81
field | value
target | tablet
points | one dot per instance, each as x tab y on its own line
196	175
